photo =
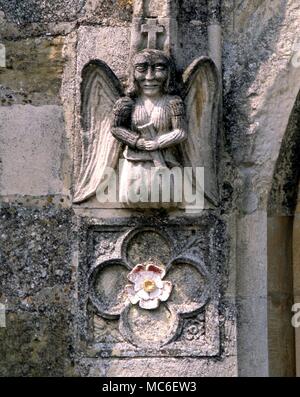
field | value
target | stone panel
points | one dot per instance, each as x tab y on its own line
33	151
187	324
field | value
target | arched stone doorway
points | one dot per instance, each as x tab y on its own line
284	253
296	273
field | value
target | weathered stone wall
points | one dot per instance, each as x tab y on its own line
46	44
261	84
36	287
36	231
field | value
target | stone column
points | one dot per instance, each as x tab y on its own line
252	335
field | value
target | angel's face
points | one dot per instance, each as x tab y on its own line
151	74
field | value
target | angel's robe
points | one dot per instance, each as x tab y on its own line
137	163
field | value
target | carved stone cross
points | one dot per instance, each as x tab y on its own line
153	30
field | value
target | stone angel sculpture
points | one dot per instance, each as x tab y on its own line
149	126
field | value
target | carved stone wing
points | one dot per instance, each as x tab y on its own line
201	96
98	149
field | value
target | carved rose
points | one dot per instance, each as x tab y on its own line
148	288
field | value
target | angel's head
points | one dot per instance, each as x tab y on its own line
152	74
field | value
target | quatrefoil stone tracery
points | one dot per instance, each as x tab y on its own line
186	273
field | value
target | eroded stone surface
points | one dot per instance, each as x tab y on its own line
33	73
33	151
148	246
36	288
40	11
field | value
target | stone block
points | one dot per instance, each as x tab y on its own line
36	288
33	72
108	44
33	151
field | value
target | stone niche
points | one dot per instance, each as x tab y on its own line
190	252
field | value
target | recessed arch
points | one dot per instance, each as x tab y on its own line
282	205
